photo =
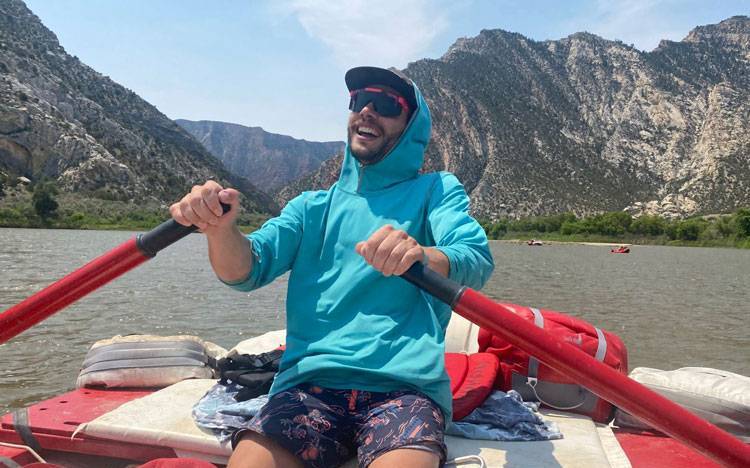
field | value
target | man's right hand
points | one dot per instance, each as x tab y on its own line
202	207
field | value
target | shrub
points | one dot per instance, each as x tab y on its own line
571	227
648	225
43	199
690	229
742	222
615	223
11	217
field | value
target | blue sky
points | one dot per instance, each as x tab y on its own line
280	64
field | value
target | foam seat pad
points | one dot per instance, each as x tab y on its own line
164	419
472	379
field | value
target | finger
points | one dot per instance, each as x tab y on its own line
387	246
176	213
412	256
230	197
187	213
395	259
374	241
360	248
211	199
200	207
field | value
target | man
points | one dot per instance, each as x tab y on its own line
363	371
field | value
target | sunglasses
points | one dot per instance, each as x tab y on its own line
384	103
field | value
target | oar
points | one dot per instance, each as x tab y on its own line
91	276
625	393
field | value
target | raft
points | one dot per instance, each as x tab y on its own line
124	426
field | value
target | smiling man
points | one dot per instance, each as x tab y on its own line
363	372
372	134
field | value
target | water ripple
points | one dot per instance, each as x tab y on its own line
672	307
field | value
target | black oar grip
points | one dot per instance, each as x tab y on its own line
442	288
165	234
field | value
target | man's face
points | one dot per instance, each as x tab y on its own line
372	136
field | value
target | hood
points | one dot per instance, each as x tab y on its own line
402	163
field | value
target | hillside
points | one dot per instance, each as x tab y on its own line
585	124
268	160
61	120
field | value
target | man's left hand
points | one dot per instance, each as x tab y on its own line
391	251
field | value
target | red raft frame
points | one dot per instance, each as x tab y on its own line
51	425
53	422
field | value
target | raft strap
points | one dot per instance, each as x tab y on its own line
8	463
21	426
532	381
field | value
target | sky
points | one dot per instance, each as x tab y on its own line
280	64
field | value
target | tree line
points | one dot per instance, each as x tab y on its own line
41	205
43	210
729	229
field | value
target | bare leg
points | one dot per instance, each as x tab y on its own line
257	451
413	458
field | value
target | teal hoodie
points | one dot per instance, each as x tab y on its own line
348	326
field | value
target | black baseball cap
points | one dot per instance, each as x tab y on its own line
361	77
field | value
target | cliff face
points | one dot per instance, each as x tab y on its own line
266	159
61	120
322	178
585	124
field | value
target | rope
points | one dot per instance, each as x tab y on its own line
467	459
25	447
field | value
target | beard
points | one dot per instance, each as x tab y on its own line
368	156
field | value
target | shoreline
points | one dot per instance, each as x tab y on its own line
246	229
552	242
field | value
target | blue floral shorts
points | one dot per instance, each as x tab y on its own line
323	427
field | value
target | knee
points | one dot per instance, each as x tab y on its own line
256	450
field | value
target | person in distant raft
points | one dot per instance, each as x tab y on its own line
363	371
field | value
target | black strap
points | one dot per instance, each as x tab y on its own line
263	362
21	425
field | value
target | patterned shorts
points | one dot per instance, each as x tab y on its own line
323	427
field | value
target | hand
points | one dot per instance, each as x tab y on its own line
391	251
202	207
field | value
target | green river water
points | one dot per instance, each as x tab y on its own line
672	306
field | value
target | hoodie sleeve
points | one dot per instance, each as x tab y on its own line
274	246
457	234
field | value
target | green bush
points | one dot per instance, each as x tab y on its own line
690	229
614	223
725	227
43	199
742	222
498	230
540	223
572	227
75	220
648	225
11	217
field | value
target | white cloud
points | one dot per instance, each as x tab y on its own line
383	33
642	23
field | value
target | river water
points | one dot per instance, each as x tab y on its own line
673	307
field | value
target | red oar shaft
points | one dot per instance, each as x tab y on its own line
69	289
625	393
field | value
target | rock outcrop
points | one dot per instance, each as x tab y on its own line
266	159
61	120
585	124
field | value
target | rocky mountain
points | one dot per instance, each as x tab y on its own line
62	120
266	159
586	124
322	178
